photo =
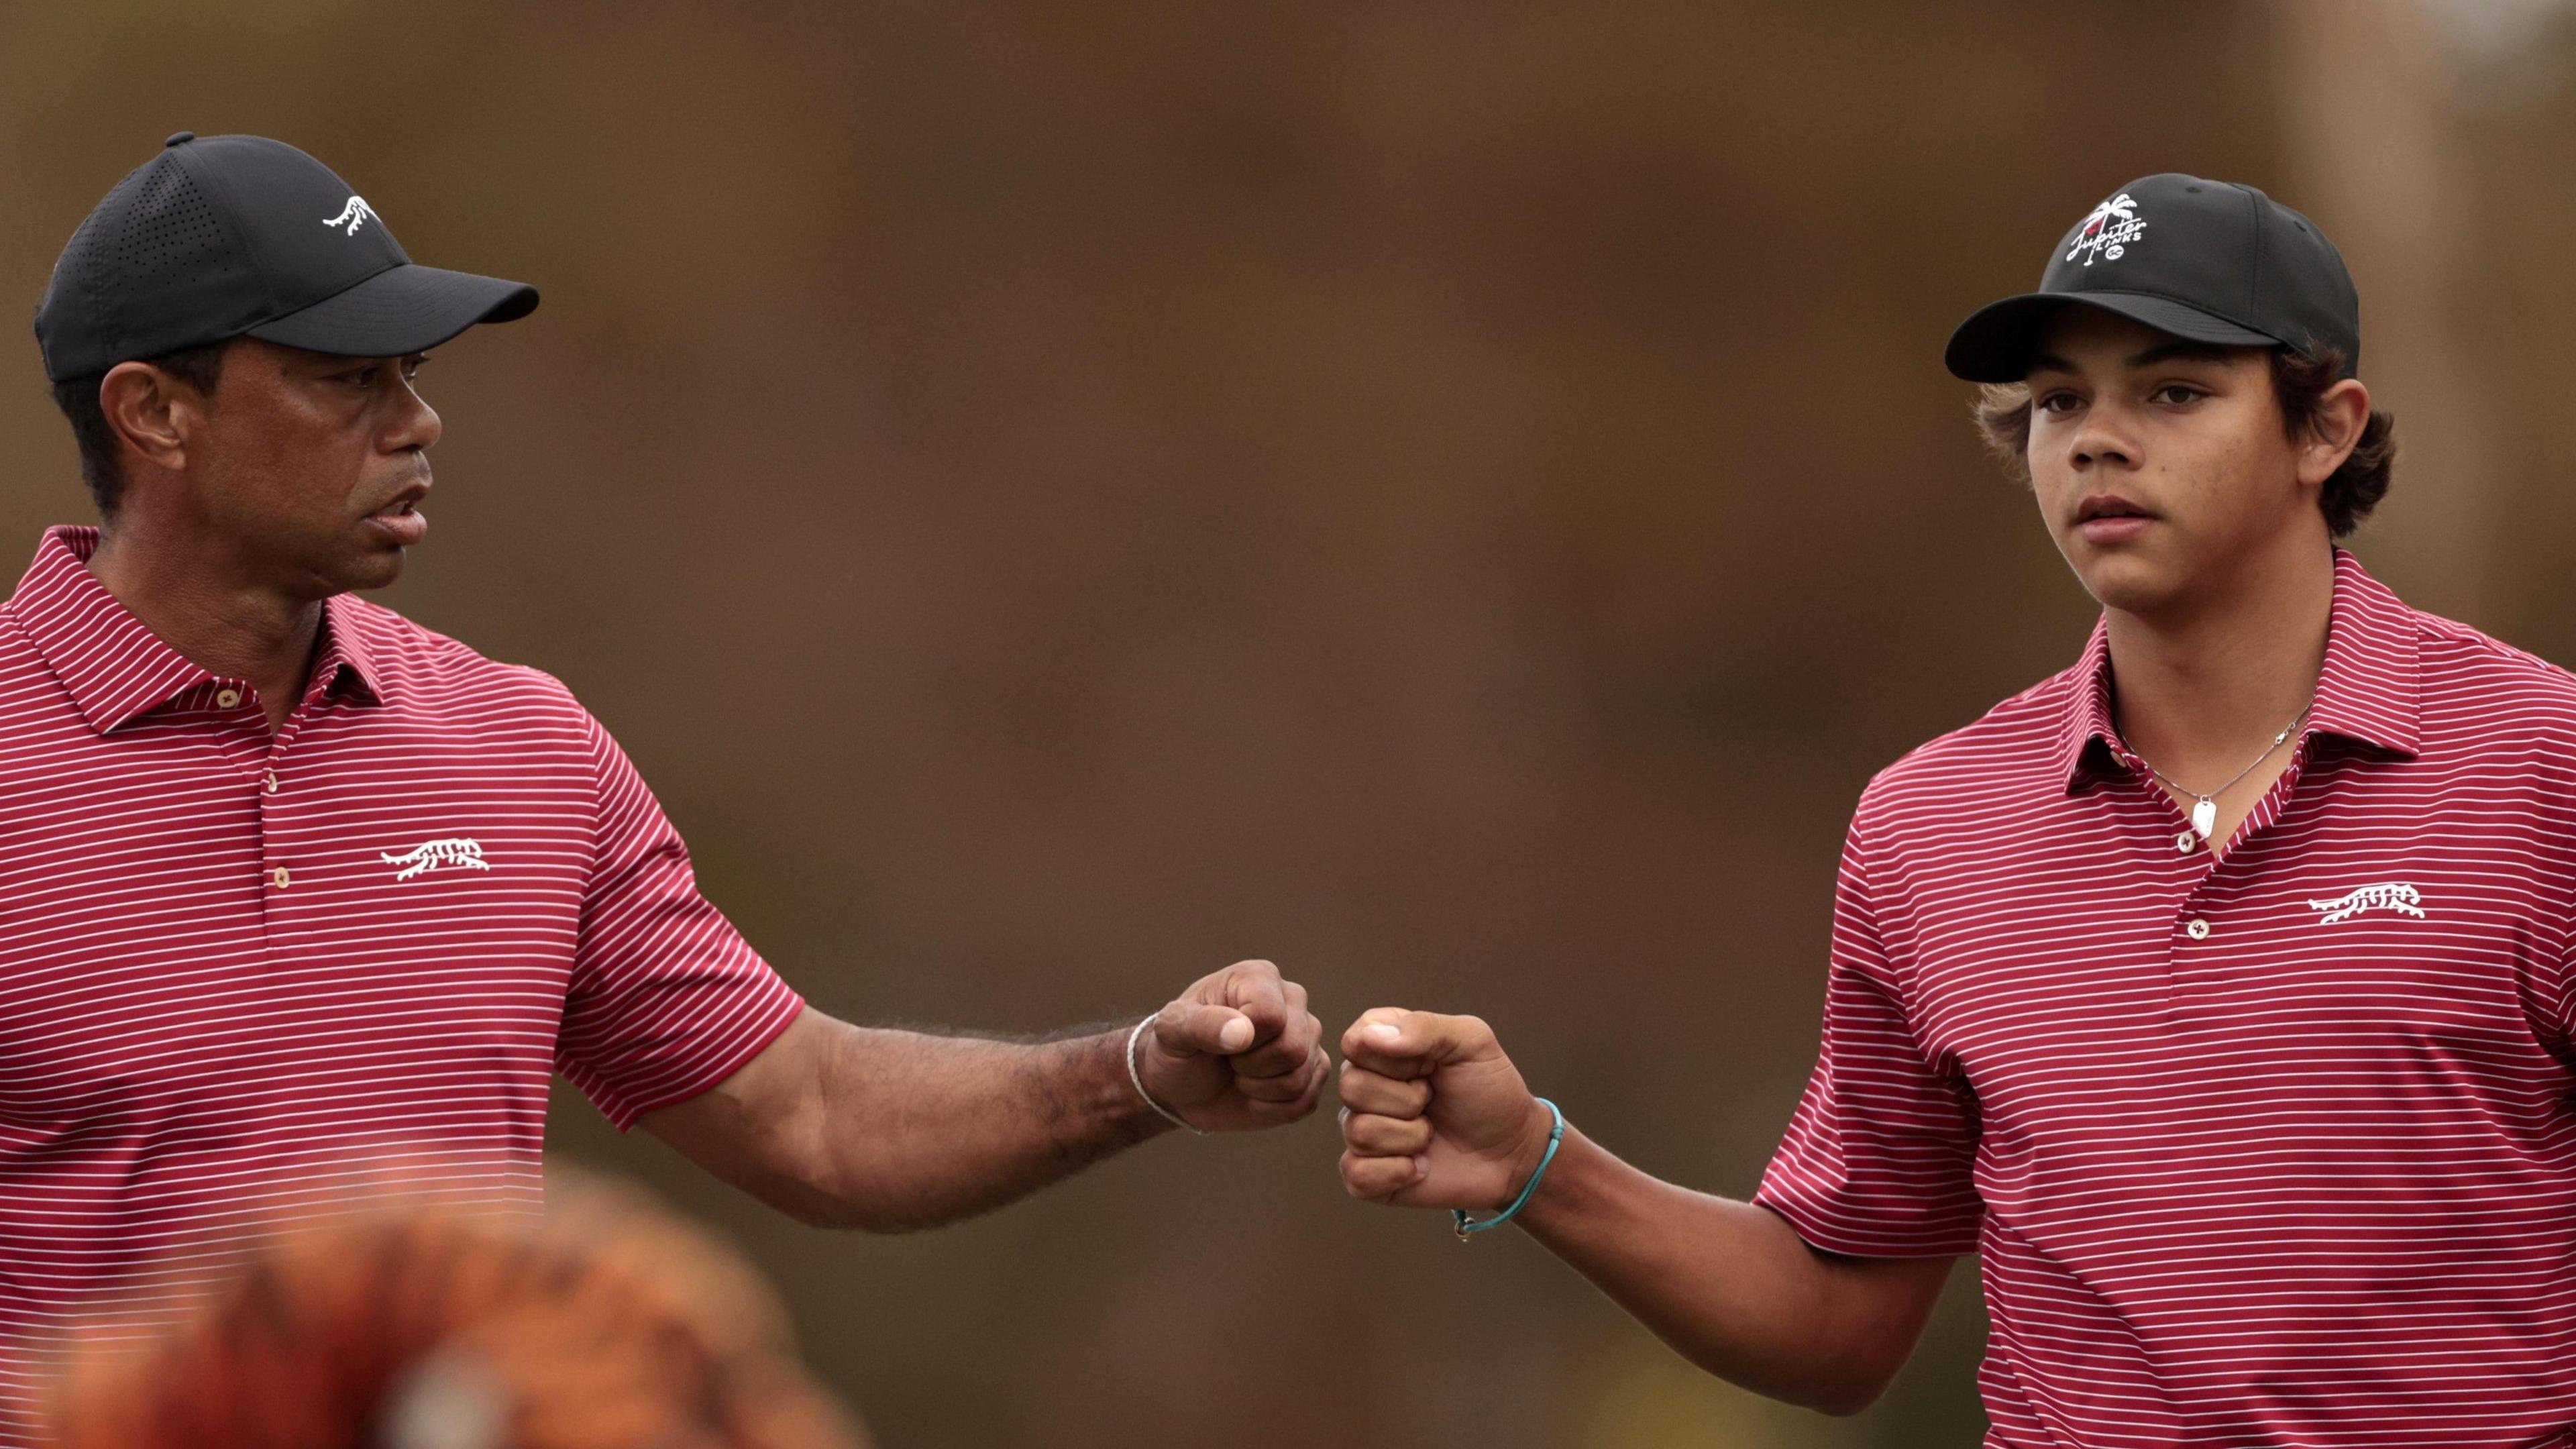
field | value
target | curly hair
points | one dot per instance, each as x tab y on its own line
2299	382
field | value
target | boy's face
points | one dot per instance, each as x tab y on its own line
2161	465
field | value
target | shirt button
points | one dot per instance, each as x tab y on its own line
268	782
2186	841
227	697
278	877
2198	930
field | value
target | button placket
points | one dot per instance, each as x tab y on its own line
277	875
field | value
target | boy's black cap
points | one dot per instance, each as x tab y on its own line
241	236
2206	260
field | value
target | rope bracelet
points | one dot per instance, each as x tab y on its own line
1467	1227
1138	1078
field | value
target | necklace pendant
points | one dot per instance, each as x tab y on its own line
2204	816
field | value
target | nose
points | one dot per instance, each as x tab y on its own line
2101	440
415	423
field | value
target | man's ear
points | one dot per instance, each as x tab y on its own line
158	414
2333	430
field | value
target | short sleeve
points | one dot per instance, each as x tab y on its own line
666	998
1879	1159
2556	1006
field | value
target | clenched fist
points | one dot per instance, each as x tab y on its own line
1434	1115
1238	1050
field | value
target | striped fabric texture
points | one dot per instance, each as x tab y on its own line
2279	1150
244	977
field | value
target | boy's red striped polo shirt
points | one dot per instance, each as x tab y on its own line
240	972
2272	1149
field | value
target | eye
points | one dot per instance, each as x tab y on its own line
2176	394
2055	402
361	377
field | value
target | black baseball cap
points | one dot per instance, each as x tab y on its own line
241	236
2209	261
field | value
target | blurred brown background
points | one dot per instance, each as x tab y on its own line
1457	498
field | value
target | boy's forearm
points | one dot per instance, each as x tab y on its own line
1730	1285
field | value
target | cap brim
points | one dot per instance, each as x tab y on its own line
1996	342
399	310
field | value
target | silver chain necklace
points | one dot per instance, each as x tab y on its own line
2204	808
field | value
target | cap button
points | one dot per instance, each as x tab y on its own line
177	137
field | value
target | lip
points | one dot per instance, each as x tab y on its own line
2107	518
402	529
400	521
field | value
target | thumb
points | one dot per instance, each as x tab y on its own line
1404	1045
1188	1029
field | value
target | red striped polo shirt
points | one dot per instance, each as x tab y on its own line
2279	1150
242	972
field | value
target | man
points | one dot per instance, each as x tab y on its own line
292	889
2215	991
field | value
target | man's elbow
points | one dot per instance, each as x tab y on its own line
817	1205
872	1219
840	1210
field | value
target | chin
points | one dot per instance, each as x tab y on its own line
372	570
2131	581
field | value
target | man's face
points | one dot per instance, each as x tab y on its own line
309	466
2159	464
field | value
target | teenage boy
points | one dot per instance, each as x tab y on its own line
2215	991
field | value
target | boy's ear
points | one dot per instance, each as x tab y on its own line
2333	430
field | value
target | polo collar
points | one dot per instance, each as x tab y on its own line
2370	690
115	668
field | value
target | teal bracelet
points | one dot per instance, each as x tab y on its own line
1555	1135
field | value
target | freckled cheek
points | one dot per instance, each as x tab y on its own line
2052	486
2216	482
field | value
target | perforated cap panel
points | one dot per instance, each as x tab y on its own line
161	232
168	230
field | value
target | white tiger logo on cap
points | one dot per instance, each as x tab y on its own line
355	214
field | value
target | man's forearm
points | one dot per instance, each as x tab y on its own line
865	1127
935	1128
1730	1285
902	1130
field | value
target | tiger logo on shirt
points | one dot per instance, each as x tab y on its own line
459	851
2396	898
